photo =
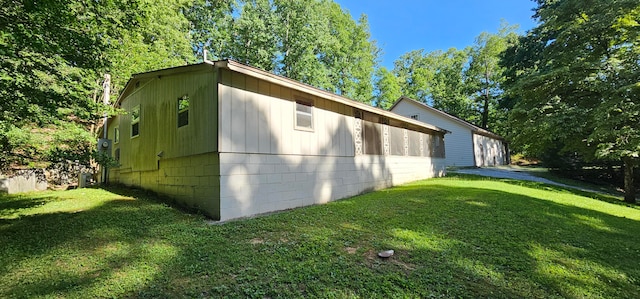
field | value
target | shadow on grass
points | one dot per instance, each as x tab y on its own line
505	243
450	242
11	204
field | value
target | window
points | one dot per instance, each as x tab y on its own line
135	121
415	116
304	115
117	155
116	135
183	111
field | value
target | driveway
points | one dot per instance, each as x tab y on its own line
511	172
506	172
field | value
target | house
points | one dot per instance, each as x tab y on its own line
467	145
234	141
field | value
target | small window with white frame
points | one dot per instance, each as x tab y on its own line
304	115
135	121
116	135
183	110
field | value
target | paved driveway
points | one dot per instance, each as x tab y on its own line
509	173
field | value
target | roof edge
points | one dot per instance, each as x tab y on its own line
277	79
474	128
287	82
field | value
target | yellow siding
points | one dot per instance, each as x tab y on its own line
188	169
159	132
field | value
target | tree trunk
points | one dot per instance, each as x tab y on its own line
487	97
485	112
629	188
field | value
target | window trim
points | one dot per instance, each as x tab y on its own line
136	121
116	135
311	114
183	98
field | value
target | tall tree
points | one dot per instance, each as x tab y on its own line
387	89
577	79
485	75
48	57
315	42
53	55
437	78
302	32
160	38
253	36
349	54
211	22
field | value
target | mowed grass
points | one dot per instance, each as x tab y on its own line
459	236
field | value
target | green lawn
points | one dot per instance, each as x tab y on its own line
460	236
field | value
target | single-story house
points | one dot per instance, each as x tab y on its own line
467	145
234	141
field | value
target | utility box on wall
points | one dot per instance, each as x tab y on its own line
104	146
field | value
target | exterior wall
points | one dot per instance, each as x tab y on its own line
179	162
266	164
259	183
158	129
258	117
193	181
458	144
489	151
241	153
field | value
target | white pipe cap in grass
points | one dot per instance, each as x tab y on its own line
386	253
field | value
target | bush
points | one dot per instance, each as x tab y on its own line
70	142
18	146
31	146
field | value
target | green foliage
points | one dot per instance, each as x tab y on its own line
53	55
388	89
48	57
466	83
461	237
29	145
104	159
17	145
485	75
576	77
70	142
315	42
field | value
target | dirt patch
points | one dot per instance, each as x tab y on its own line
373	260
256	241
351	250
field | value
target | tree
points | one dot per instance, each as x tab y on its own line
577	80
315	42
253	37
158	38
387	89
485	75
53	55
437	78
211	22
350	55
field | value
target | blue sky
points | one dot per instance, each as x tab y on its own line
401	26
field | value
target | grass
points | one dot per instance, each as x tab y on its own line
460	236
605	187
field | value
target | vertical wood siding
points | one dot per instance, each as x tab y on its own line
251	122
489	151
458	145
